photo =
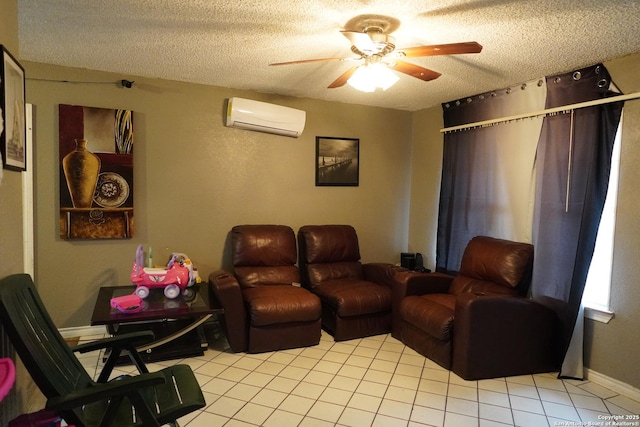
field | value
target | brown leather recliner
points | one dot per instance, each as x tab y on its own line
479	324
356	297
265	307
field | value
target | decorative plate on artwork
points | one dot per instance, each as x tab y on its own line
112	190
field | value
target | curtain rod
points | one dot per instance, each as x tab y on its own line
617	98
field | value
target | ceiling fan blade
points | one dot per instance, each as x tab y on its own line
308	60
360	40
340	81
441	49
414	70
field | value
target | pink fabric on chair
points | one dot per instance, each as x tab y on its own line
7	376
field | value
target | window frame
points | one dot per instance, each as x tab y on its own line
603	254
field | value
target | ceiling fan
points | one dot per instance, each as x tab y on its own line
375	48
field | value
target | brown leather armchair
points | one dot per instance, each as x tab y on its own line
356	297
479	324
265	307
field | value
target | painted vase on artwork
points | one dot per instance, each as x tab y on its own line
81	169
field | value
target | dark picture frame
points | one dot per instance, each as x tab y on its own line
13	111
337	161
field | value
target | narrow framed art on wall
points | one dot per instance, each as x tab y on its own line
337	161
12	113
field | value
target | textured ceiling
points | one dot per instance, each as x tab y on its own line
230	43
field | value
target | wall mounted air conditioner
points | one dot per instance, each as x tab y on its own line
264	117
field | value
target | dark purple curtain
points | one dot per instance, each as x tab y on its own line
464	153
478	195
572	176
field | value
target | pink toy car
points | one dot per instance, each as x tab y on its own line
175	278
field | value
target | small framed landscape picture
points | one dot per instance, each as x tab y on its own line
337	161
13	129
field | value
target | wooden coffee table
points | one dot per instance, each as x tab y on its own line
176	323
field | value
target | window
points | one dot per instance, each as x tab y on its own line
598	287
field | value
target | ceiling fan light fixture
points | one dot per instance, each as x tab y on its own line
368	77
373	45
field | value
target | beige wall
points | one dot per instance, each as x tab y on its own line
11	249
11	185
426	168
612	349
196	178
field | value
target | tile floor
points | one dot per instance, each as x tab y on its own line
377	381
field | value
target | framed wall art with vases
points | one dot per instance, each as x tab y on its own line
96	172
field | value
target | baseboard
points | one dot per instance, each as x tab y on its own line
613	384
82	331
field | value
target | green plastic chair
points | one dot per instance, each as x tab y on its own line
146	399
